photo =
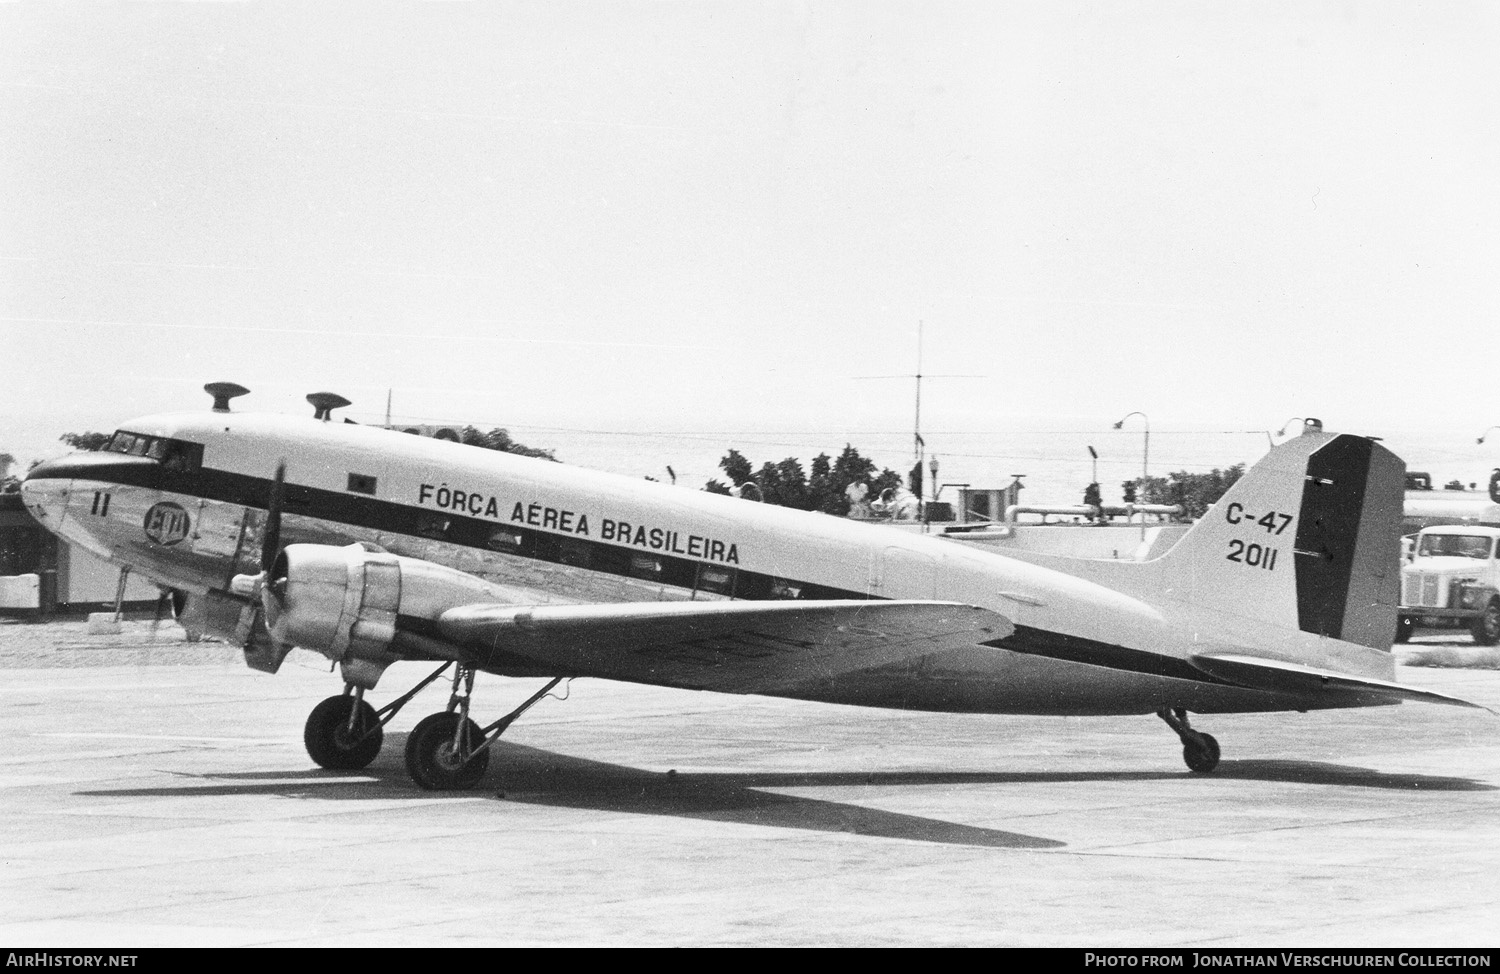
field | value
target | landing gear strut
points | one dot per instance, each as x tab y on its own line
448	751
444	752
1199	750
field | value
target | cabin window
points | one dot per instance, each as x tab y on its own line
544	547
608	558
179	457
645	566
781	588
361	484
573	552
504	539
432	525
719	581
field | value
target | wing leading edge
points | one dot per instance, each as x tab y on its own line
732	647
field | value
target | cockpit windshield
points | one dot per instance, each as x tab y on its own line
137	445
1455	546
178	456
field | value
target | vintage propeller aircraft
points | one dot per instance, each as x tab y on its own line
372	546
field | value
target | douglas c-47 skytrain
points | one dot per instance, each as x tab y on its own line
372	546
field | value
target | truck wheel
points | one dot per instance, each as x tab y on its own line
1486	628
1405	626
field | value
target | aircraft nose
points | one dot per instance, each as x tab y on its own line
48	470
44	490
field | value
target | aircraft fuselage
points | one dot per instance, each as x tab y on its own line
186	504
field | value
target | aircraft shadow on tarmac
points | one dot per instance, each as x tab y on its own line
534	776
1320	773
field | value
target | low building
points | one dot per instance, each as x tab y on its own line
41	576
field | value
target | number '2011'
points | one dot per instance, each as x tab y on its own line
1254	555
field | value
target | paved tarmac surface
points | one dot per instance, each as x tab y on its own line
155	792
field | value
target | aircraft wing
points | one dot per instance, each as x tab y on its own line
1278	676
733	647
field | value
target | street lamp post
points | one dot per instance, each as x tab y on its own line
1146	451
1145	456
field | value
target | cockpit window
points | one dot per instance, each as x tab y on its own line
179	456
131	443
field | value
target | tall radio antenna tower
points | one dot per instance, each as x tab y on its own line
919	445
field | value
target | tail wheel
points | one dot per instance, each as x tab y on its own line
1405	626
1199	750
439	759
336	743
1201	755
1486	629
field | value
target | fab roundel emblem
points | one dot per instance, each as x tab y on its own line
166	523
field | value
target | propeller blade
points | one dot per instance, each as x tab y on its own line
271	538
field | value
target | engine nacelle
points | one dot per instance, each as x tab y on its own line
344	602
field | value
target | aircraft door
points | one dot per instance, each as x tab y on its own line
217	529
229	534
901	573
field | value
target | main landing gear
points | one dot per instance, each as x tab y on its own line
1199	750
446	751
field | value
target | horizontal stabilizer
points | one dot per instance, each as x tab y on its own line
1277	676
734	647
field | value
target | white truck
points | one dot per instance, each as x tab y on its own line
1452	581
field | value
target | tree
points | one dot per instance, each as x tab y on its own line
1196	492
736	467
500	439
784	484
1093	497
823	493
788	484
86	441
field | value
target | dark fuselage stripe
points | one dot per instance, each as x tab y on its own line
585	553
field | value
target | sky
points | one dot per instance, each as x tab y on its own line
643	232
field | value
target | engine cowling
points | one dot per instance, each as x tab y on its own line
343	602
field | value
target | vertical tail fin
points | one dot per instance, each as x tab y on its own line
1308	538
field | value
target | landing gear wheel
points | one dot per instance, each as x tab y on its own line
1199	750
1405	626
435	764
1202	755
1486	629
332	743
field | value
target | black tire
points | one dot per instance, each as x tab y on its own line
432	761
1405	626
329	740
1202	756
1486	629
